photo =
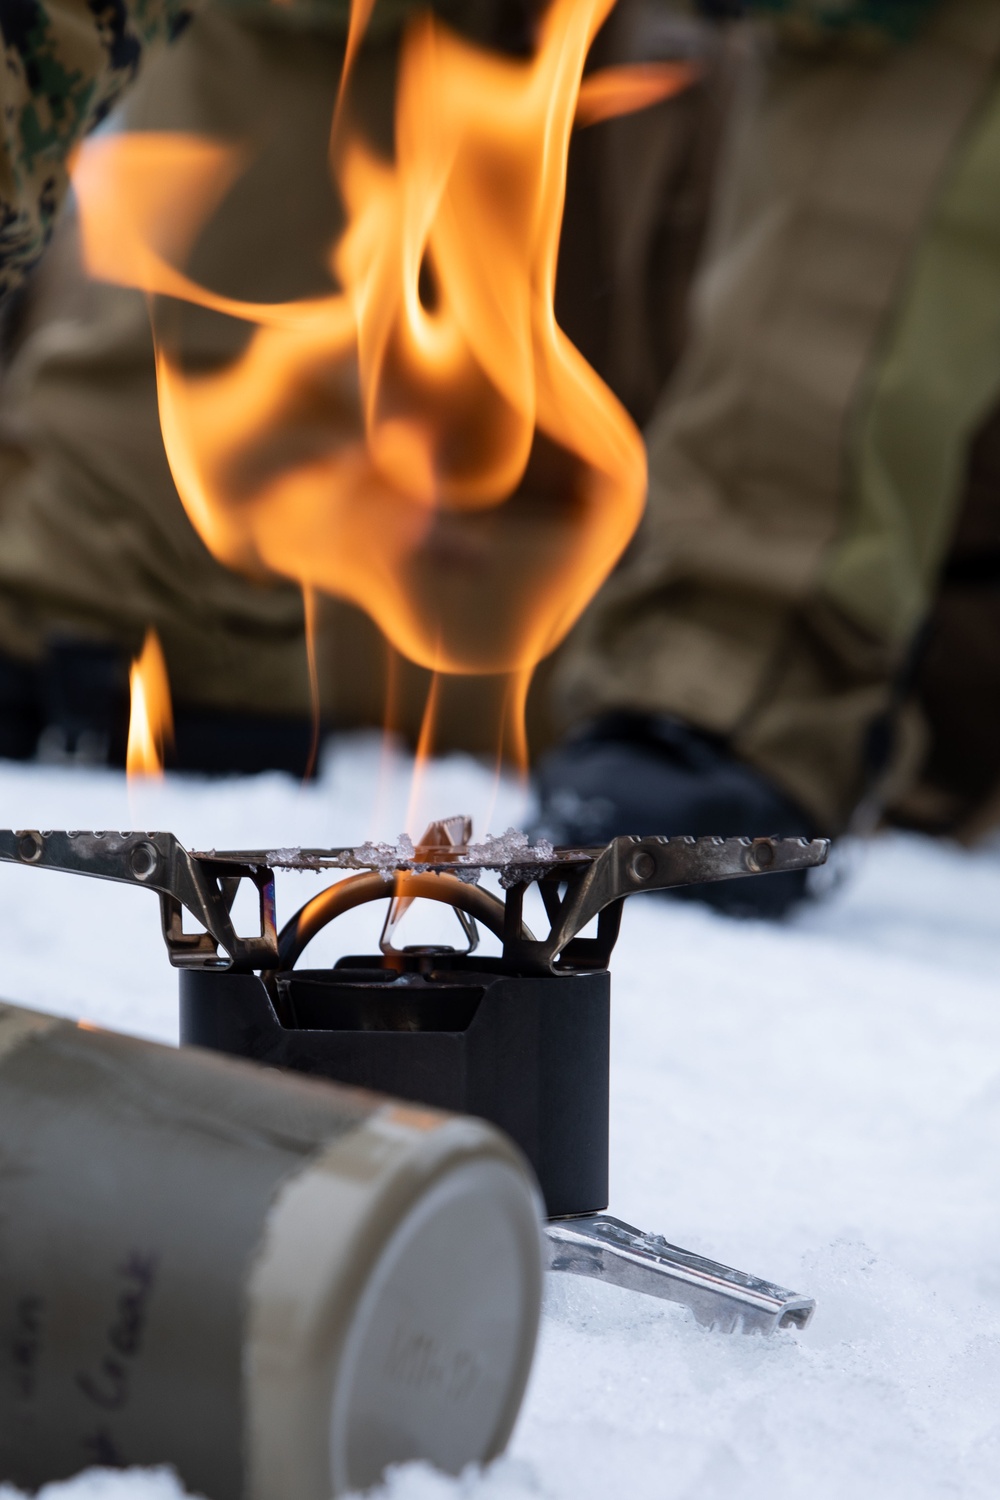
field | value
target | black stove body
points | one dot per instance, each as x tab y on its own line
527	1052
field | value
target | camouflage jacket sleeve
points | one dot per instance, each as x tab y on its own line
64	64
851	20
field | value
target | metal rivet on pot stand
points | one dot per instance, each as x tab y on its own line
521	1040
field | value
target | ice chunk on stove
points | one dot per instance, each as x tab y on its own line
385	858
512	853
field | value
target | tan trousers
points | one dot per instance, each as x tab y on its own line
806	461
93	538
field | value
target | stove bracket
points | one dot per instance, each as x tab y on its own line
576	885
183	882
574	896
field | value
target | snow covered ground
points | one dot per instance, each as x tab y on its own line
818	1103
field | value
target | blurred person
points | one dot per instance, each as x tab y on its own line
95	545
748	668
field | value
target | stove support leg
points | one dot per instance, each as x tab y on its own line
729	1301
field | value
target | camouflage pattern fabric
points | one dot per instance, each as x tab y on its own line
65	63
853	20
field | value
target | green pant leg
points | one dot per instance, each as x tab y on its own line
724	613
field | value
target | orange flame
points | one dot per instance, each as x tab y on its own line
151	722
622	91
424	442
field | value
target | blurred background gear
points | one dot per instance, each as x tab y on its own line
655	775
94	543
956	678
789	274
72	707
807	460
864	23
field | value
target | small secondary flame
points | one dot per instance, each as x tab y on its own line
151	723
611	92
425	441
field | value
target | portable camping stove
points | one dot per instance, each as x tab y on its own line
521	1040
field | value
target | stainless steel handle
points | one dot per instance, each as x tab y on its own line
729	1301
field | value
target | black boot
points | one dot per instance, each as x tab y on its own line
652	774
21	717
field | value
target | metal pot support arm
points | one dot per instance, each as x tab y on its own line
576	884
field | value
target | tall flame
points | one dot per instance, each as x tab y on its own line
151	723
425	442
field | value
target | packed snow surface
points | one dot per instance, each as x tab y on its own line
817	1102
